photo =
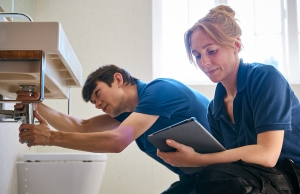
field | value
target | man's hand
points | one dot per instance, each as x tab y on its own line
36	134
23	95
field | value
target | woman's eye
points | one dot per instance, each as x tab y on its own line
198	56
211	51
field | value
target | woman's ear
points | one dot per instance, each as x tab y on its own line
238	44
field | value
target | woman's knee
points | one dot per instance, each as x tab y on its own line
223	178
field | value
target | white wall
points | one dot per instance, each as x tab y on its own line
10	148
10	152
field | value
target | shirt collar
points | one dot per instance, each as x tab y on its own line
140	87
221	91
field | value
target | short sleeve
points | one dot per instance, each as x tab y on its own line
270	99
162	98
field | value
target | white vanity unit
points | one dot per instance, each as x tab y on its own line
37	53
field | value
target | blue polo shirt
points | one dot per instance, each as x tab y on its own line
173	102
264	102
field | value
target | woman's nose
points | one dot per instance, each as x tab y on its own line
204	60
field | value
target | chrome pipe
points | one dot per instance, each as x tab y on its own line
11	14
26	114
29	108
1	104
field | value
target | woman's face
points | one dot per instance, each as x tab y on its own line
219	63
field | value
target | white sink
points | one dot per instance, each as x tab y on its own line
62	71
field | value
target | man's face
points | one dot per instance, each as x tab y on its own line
108	99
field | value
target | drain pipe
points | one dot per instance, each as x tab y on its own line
25	115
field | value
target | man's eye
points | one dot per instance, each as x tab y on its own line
98	93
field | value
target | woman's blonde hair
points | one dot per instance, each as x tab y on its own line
219	25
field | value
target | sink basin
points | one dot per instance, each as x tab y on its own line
62	68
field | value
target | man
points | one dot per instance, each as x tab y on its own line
133	109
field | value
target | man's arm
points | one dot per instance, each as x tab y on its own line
68	123
109	141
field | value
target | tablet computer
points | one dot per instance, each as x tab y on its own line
188	132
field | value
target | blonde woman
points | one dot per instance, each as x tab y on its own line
254	114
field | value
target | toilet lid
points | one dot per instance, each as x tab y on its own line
65	156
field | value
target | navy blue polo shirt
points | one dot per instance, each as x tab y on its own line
173	102
264	102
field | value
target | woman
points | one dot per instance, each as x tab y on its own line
254	114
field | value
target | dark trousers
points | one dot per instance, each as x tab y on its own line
185	185
241	177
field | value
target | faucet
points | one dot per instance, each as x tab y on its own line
26	114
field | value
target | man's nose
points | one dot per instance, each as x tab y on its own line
98	104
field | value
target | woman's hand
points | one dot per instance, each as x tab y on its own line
184	156
36	134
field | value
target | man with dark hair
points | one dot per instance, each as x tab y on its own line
132	108
105	74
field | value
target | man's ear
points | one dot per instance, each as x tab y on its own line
119	79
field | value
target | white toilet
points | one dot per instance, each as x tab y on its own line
61	173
